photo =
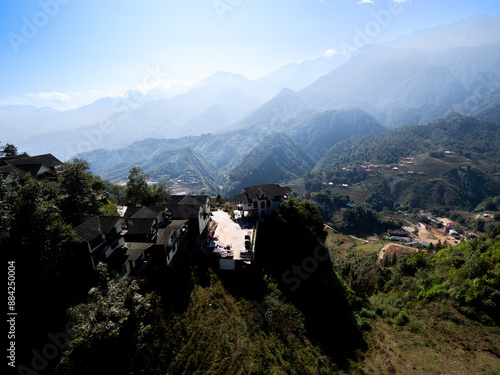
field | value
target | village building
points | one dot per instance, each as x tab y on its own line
101	236
172	241
139	237
195	208
16	167
260	200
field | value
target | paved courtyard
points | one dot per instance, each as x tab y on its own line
230	233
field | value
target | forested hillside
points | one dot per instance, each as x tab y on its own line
465	135
275	159
450	162
328	128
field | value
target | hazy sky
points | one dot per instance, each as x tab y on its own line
68	52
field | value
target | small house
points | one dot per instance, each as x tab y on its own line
261	200
101	236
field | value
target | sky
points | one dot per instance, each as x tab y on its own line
66	53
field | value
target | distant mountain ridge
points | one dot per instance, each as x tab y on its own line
275	159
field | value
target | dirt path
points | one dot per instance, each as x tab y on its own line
430	234
395	249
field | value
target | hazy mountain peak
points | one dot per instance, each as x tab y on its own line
472	31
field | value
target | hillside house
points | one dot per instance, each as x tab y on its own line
261	200
16	167
172	241
130	259
195	208
143	223
101	235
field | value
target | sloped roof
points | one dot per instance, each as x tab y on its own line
22	164
141	213
135	249
189	200
158	209
140	225
272	191
48	160
165	233
8	169
94	226
180	212
89	230
130	251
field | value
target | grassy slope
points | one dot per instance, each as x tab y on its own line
222	334
436	337
437	340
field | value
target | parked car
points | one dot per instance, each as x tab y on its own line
248	242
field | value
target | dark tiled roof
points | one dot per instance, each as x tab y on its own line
158	209
135	249
47	159
89	230
143	212
165	233
107	223
28	164
184	212
8	169
140	225
94	226
189	200
5	159
130	251
252	193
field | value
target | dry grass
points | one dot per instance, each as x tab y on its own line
436	340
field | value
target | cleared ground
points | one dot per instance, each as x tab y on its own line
230	233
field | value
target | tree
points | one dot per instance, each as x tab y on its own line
118	191
302	216
5	209
81	189
137	186
8	150
160	194
110	332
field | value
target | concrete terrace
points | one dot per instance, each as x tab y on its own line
230	233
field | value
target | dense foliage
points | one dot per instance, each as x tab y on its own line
139	192
466	275
111	329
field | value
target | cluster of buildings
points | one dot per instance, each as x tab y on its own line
140	238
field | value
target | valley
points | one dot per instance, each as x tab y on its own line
338	215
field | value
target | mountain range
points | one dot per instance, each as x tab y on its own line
238	132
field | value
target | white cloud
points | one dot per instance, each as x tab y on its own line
366	2
54	99
330	52
50	96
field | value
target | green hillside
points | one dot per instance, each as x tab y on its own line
277	158
452	162
328	128
162	165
